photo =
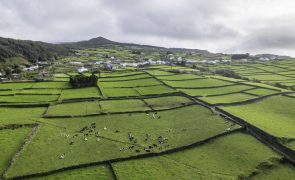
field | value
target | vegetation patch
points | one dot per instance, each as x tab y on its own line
233	156
167	102
227	99
274	115
87	92
10	142
198	83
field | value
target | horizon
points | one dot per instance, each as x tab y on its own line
263	27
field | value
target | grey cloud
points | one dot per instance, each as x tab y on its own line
216	25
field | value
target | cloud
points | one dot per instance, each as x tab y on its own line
215	25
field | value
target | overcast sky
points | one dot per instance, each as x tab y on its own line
230	26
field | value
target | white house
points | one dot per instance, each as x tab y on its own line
82	69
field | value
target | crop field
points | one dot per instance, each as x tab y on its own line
160	122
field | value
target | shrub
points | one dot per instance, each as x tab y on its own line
79	81
228	73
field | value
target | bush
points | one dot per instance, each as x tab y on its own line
228	73
79	81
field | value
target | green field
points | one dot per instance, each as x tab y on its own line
198	83
229	98
154	122
89	92
215	91
10	143
274	115
234	156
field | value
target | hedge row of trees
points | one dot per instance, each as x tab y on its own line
83	81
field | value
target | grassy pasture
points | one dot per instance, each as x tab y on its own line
119	92
160	89
229	98
16	85
47	157
101	172
262	92
215	91
20	115
269	77
8	92
124	78
61	75
167	102
181	126
10	142
229	157
51	85
198	83
274	115
130	83
264	86
126	105
88	92
120	74
180	77
76	108
159	72
40	91
28	98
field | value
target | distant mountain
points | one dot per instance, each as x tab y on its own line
94	42
102	42
30	50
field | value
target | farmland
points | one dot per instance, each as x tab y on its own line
161	122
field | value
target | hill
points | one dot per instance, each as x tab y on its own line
30	50
102	42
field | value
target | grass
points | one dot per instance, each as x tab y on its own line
74	109
20	115
233	156
229	98
10	142
264	86
199	83
124	78
159	72
274	115
167	102
262	92
180	77
119	92
28	98
88	92
102	172
120	74
160	89
281	171
16	85
127	105
181	126
51	85
269	77
8	92
40	91
215	91
130	83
